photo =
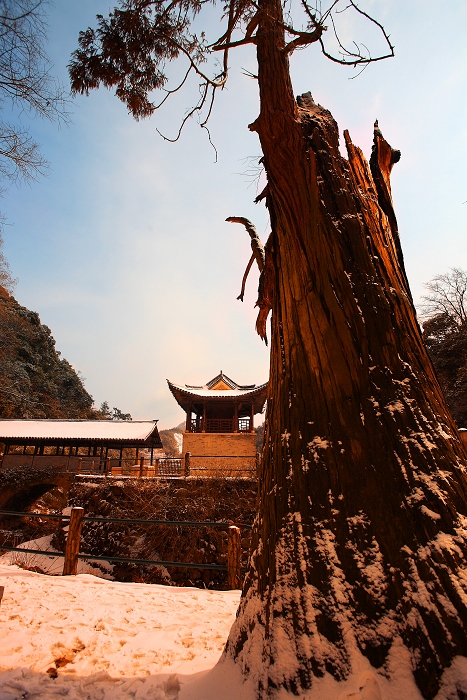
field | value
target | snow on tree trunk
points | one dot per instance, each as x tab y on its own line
360	544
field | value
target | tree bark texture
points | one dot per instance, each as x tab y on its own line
360	544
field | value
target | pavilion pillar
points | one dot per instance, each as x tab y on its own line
252	415
7	447
203	427
235	419
188	421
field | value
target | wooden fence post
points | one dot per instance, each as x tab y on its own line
187	463
234	557
70	565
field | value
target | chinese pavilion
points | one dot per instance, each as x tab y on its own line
219	432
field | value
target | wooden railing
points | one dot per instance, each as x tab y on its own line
164	466
220	425
72	554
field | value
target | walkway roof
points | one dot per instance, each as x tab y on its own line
52	431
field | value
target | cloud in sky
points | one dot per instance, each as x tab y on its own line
124	250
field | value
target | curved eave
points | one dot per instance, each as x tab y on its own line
186	398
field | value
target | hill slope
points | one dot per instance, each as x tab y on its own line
35	382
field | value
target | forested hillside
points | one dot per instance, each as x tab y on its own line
444	314
35	382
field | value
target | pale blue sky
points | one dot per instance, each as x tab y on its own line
123	249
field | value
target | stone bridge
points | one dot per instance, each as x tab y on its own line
21	487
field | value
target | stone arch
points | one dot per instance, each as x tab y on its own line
20	487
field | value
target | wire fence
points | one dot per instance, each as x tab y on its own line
77	517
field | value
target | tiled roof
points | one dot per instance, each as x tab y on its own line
203	392
186	395
110	430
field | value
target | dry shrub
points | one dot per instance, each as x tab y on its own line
191	499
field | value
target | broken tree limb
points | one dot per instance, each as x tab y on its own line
256	247
248	268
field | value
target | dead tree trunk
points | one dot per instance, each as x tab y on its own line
359	546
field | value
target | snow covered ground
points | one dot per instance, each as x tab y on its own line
50	564
110	640
87	638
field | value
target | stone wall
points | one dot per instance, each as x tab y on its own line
11	461
221	454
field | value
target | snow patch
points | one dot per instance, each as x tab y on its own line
318	443
431	513
395	407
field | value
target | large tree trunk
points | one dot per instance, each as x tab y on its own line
359	547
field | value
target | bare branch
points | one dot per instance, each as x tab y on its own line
348	57
234	44
196	108
304	39
26	82
171	92
448	296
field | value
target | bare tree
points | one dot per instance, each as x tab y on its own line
27	84
447	296
6	279
359	545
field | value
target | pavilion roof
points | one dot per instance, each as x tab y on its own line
84	431
221	387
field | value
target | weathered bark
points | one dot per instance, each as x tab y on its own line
361	539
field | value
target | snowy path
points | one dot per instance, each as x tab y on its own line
108	639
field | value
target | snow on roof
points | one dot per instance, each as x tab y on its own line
221	387
11	429
216	393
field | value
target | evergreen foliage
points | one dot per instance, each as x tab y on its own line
35	382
